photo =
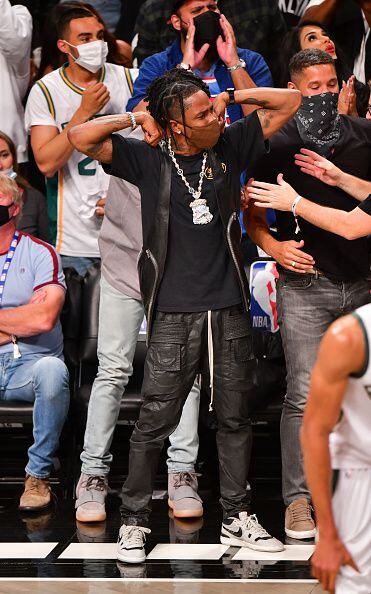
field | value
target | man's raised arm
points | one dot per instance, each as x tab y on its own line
93	138
275	106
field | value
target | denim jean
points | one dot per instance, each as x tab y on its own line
120	318
44	381
307	305
79	263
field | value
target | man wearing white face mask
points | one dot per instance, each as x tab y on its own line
84	88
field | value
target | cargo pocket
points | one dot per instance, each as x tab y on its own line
240	361
166	357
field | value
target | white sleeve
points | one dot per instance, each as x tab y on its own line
38	111
15	33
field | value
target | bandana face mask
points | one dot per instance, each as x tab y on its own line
208	29
318	122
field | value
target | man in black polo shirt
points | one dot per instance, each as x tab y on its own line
322	275
192	279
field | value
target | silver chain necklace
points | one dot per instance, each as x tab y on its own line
199	206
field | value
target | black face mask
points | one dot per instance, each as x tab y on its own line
4	214
208	29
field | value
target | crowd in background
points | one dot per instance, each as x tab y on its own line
56	76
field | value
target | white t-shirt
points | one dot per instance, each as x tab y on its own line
15	47
359	62
350	442
52	102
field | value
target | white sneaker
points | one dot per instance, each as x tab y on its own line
245	531
130	544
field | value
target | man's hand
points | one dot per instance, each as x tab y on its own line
347	98
190	55
5	338
278	197
329	556
94	98
227	47
99	211
289	254
153	134
220	104
314	164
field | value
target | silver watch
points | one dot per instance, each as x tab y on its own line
184	66
240	64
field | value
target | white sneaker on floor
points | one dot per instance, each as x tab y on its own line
245	531
130	544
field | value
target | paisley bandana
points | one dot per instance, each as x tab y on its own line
319	123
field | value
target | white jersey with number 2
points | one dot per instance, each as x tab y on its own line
81	182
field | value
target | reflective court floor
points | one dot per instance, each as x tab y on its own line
51	552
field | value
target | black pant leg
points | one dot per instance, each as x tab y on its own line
233	380
170	369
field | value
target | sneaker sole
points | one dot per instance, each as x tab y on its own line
128	559
185	513
81	517
301	535
235	542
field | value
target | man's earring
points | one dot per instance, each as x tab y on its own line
178	131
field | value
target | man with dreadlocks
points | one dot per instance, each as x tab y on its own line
192	280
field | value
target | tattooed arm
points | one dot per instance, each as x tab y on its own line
93	138
275	106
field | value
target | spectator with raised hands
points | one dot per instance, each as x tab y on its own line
15	48
205	44
84	88
282	196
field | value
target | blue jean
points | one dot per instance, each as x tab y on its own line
44	381
306	305
120	318
79	263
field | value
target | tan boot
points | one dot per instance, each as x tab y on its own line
299	522
37	494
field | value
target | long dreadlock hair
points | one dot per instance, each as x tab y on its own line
167	94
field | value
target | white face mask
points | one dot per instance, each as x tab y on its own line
9	173
92	55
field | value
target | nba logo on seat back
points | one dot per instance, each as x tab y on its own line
263	309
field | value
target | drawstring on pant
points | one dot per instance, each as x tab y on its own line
210	348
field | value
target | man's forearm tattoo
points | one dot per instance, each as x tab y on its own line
265	116
251	101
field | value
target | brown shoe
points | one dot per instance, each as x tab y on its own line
37	494
299	522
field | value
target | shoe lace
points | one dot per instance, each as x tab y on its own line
33	484
96	483
251	523
184	479
136	535
301	513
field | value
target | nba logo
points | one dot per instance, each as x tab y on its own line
263	308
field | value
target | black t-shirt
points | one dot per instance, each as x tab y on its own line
199	273
337	257
366	205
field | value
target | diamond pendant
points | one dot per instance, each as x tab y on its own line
201	212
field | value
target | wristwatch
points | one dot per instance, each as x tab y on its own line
240	64
184	66
232	99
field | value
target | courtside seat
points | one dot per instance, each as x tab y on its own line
131	400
